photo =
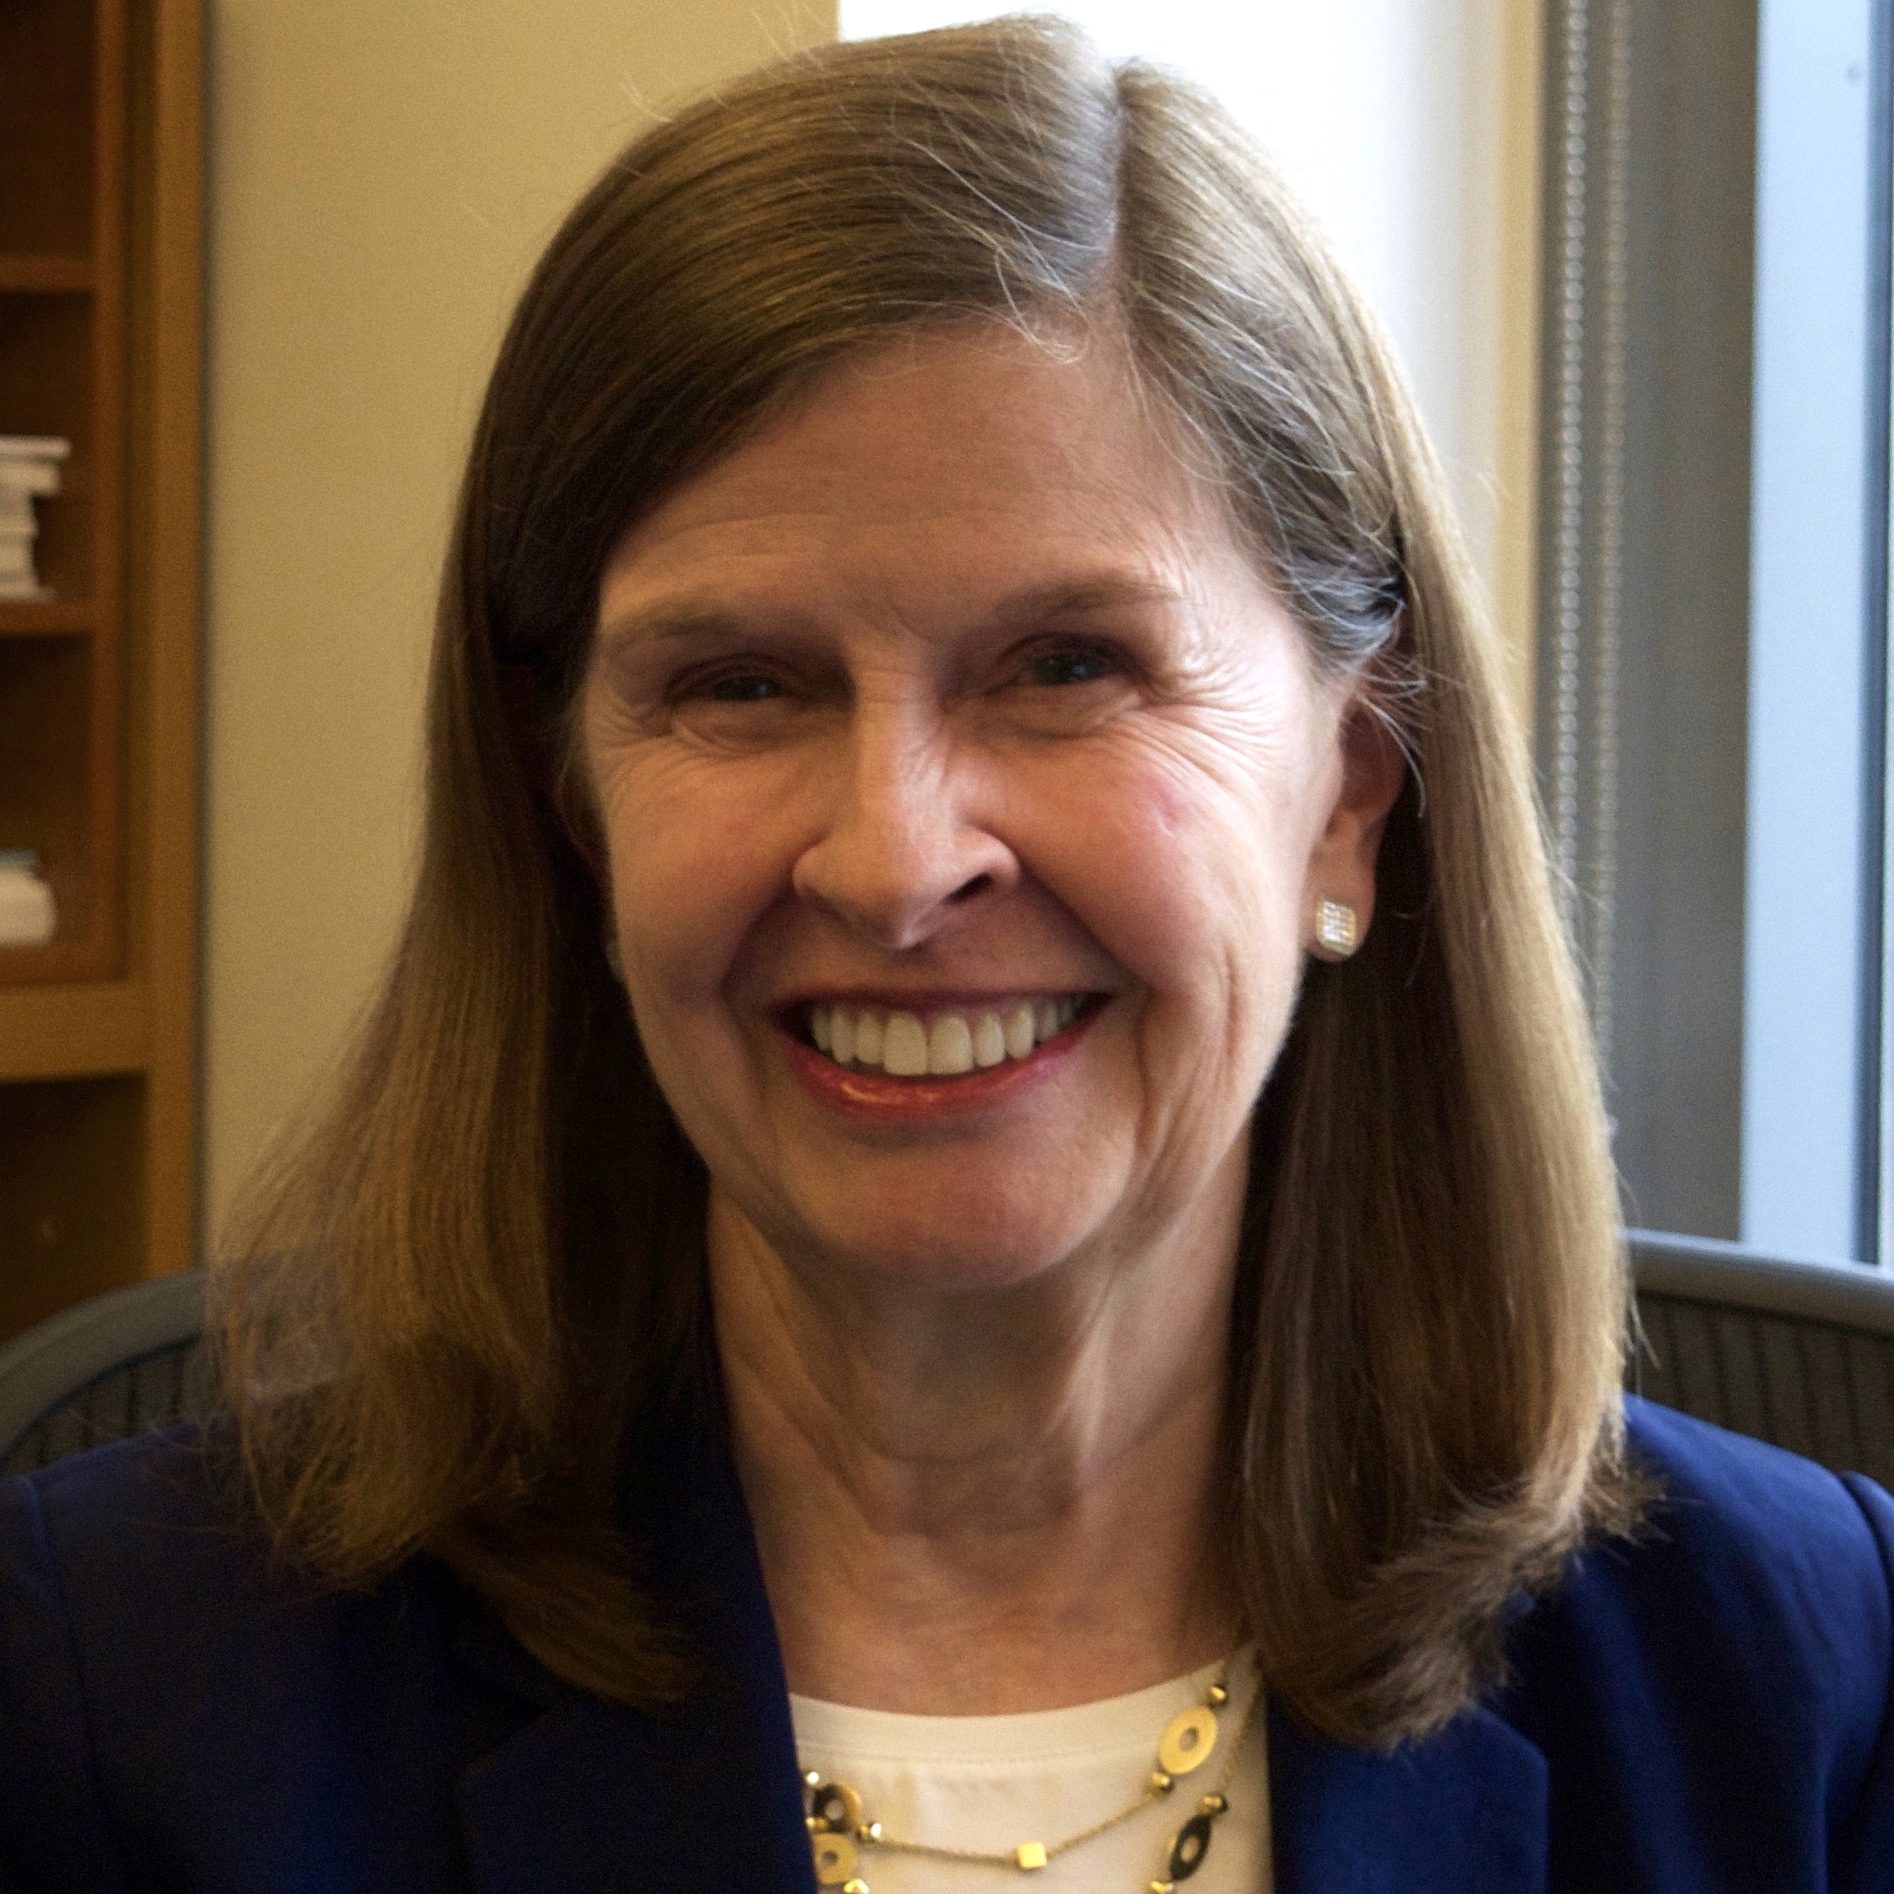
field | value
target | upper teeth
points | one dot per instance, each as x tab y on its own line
906	1046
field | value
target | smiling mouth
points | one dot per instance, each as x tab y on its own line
948	1043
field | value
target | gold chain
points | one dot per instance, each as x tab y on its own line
839	1826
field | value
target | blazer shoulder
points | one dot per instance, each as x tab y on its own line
63	1531
1714	1690
161	1566
162	1521
177	1697
1712	1693
1792	1565
179	1476
1815	1548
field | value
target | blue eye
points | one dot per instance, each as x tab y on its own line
1077	665
741	687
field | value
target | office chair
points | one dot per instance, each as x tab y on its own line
1801	1354
124	1361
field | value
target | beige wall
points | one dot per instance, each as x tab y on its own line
380	178
1518	342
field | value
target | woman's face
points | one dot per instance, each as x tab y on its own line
944	725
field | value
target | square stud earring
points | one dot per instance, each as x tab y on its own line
1336	927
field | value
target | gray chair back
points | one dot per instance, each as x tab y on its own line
1801	1354
116	1365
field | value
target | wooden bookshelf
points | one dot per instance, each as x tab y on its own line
100	318
94	1030
22	275
46	618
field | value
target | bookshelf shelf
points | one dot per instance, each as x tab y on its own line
46	618
23	275
86	1030
100	318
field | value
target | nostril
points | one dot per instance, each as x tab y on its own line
971	888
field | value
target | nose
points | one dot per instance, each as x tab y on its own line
902	847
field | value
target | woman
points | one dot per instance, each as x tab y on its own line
974	1234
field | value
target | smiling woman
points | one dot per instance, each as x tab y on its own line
978	1186
1019	732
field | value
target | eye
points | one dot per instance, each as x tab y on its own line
742	687
736	703
1071	664
727	687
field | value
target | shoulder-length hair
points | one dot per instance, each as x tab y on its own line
460	1291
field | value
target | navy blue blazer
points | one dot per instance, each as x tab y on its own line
1704	1711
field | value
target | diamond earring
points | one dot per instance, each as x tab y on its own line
1337	928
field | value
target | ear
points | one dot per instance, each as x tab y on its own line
1374	768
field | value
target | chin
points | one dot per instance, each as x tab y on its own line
961	1254
953	1269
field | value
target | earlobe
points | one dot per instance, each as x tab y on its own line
1342	873
1375	760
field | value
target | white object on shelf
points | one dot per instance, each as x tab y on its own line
29	469
27	915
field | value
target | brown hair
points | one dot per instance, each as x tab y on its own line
461	1290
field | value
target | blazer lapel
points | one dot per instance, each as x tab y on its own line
589	1796
594	1798
1462	1813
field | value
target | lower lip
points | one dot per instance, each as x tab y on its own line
876	1098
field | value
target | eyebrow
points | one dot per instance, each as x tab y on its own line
688	622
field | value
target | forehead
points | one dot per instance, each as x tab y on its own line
969	457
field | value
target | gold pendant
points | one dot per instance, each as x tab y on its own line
1188	1848
835	1860
1189	1738
835	1805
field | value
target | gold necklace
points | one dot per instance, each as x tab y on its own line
840	1828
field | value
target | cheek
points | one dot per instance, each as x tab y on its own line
691	869
1194	878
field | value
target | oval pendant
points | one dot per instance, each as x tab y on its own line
835	1805
1188	1849
835	1859
1189	1738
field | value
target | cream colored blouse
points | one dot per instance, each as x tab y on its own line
991	1782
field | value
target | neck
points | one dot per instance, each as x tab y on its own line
977	1503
